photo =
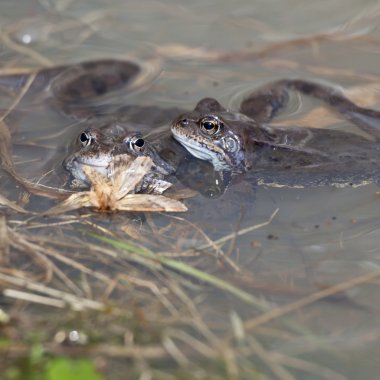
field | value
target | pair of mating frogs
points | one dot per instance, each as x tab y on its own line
228	143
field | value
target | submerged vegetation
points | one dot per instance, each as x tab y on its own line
104	297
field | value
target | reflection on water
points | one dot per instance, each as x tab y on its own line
319	238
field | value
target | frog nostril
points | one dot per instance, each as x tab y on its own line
184	122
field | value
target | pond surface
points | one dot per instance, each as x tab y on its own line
319	240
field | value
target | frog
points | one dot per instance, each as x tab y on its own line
245	143
100	148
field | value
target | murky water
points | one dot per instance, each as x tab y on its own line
320	236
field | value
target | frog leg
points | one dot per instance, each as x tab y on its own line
368	120
266	102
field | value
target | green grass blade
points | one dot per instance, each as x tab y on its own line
190	271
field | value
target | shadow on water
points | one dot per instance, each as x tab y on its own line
252	281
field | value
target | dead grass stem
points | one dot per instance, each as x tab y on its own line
308	300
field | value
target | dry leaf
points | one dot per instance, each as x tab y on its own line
117	193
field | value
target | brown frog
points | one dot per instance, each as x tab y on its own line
240	142
99	148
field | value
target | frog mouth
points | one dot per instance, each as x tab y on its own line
101	163
91	165
195	148
203	151
76	168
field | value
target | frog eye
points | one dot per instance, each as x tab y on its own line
85	138
210	125
137	143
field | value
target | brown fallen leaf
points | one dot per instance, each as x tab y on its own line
118	192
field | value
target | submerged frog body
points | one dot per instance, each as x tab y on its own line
239	142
